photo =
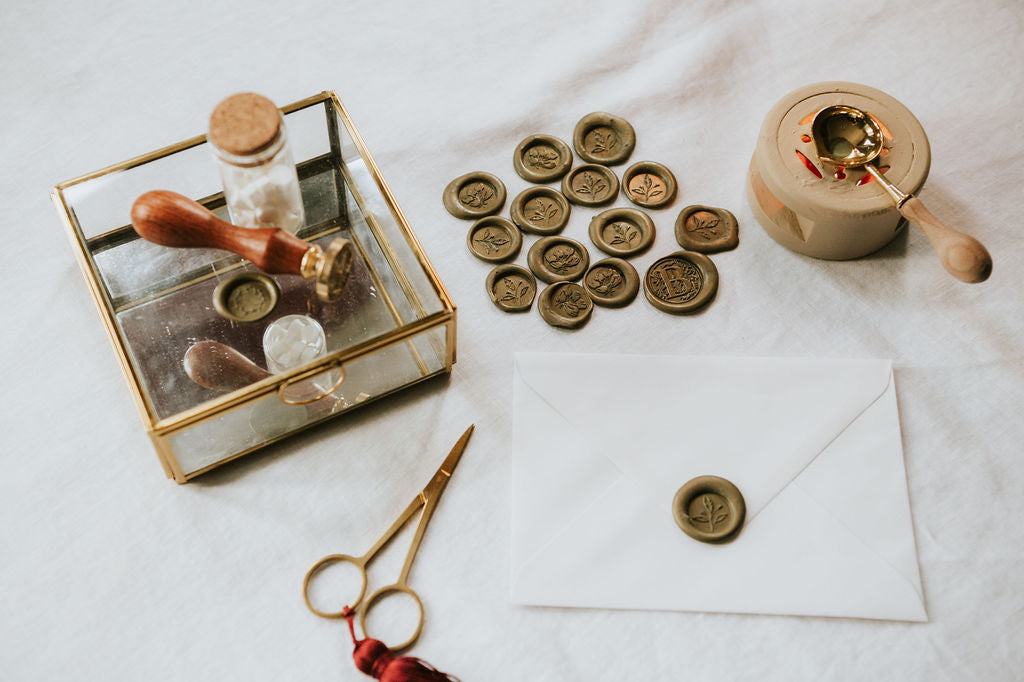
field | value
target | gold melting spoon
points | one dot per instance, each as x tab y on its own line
848	137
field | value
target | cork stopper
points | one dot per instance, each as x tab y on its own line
244	124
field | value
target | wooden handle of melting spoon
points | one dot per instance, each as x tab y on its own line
170	219
963	256
220	367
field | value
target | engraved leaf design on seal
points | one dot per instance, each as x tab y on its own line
704	224
591	185
477	195
515	289
491	242
542	211
623	233
712	513
605	281
562	258
570	302
603	142
648	188
542	156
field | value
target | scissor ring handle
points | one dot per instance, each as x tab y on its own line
330	560
320	396
380	594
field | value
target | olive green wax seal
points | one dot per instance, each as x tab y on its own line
511	288
246	297
603	138
590	185
566	305
540	210
474	195
542	158
612	283
681	283
558	259
622	231
649	185
707	229
709	509
494	239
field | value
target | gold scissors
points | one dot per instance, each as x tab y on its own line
427	499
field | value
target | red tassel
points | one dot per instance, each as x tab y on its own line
374	658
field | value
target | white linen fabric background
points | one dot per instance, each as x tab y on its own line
110	572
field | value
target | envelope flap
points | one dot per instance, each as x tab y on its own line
665	419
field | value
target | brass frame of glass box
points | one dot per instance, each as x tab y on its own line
159	430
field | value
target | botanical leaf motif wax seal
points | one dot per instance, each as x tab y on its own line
649	184
622	231
542	158
540	210
511	288
477	195
515	289
474	195
562	258
709	509
704	224
570	302
491	242
707	229
604	281
494	239
647	187
682	282
603	138
602	141
566	305
590	185
558	259
612	282
712	513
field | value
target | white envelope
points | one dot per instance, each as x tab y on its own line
602	442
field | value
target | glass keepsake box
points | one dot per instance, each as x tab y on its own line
207	391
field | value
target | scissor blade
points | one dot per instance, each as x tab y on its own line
441	476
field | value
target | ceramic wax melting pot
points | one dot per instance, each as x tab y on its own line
825	211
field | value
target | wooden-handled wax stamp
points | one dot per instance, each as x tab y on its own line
170	219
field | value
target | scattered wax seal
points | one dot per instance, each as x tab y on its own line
511	288
707	229
246	297
540	210
542	158
566	305
709	509
603	138
474	195
590	185
612	282
681	282
649	184
622	231
558	259
494	239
